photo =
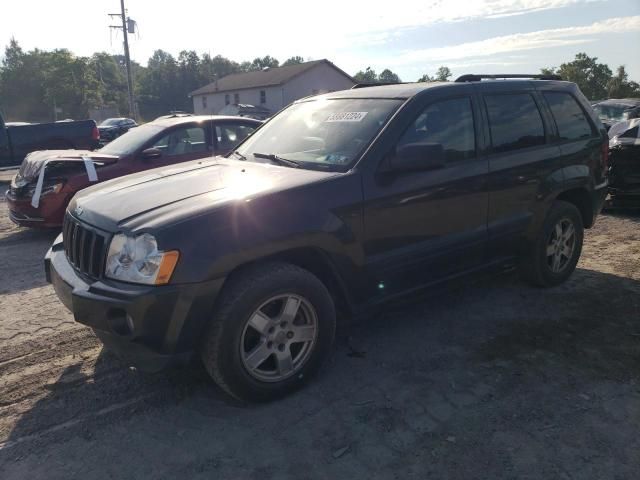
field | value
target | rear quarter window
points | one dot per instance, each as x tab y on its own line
514	121
570	119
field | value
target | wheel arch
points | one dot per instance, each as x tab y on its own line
581	198
317	262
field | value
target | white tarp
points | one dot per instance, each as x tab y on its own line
88	165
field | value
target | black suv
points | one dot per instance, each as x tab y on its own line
339	202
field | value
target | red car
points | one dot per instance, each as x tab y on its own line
48	179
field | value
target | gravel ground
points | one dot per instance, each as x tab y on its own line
491	379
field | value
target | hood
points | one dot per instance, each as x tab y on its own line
32	163
625	133
162	196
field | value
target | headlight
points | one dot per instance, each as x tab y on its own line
137	260
47	187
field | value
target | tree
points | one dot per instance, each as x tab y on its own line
387	76
37	84
442	75
111	83
158	87
13	55
190	74
293	61
592	77
264	62
213	68
370	76
619	86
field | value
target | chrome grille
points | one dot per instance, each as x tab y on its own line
84	247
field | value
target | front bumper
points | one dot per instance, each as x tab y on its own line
624	174
148	327
49	213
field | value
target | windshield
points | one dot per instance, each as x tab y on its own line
131	141
612	112
110	122
321	134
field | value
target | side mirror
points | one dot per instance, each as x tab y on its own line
151	153
414	157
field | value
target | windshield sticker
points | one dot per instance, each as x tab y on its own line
346	117
337	158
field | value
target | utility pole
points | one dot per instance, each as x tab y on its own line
127	59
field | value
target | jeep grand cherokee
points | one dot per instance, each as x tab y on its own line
338	203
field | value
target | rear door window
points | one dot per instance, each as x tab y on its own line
570	119
514	121
449	123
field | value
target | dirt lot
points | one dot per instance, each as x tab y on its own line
489	380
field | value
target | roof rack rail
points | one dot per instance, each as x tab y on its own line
476	78
365	85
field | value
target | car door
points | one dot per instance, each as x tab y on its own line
422	226
179	144
578	138
229	133
520	163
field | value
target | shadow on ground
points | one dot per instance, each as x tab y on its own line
483	375
22	258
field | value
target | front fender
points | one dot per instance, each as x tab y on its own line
324	215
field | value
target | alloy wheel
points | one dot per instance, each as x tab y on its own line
278	338
561	244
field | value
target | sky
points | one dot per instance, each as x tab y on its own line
411	37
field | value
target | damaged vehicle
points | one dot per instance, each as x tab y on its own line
617	110
624	158
47	180
340	202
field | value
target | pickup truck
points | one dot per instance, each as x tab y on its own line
17	141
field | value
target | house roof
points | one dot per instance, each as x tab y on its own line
262	78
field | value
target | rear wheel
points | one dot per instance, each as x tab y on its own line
272	328
554	255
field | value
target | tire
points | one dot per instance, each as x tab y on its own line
538	265
247	326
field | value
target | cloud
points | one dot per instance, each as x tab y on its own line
280	28
337	26
519	42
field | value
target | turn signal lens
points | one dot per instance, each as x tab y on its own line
167	265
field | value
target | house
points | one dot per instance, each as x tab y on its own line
270	88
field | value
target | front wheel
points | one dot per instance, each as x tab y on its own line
555	253
273	326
